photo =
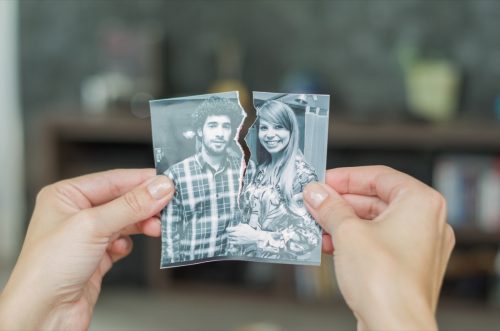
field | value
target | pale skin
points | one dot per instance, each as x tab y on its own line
79	228
391	242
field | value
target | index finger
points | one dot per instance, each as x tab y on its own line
380	181
102	187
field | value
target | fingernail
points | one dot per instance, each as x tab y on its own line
160	187
315	194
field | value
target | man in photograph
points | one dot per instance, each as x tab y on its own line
207	187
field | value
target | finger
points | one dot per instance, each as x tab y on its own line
120	248
366	207
150	227
450	241
327	206
327	244
102	187
134	206
381	181
104	266
117	250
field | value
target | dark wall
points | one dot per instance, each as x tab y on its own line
351	44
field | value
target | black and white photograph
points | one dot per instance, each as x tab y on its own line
288	150
195	144
224	207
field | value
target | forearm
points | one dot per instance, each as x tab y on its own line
396	309
11	319
25	313
400	319
22	304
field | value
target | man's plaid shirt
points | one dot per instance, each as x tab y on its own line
205	203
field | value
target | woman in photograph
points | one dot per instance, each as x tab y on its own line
276	224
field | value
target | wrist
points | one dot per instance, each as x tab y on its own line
395	310
19	312
25	303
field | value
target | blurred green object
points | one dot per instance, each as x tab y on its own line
433	88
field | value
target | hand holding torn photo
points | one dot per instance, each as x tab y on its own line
224	208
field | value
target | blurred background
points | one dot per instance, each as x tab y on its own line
414	85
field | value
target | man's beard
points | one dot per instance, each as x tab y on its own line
213	152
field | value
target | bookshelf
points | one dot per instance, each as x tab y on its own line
453	136
415	148
418	149
71	145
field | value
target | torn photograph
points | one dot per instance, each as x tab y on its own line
288	143
195	144
224	208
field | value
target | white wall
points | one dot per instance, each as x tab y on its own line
11	136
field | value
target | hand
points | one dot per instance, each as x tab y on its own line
78	229
391	244
242	234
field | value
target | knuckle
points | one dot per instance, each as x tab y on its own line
437	198
333	212
327	210
438	203
450	236
86	223
62	191
133	202
45	193
114	189
324	211
88	219
383	168
375	208
330	205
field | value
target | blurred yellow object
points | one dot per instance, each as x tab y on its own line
233	85
433	89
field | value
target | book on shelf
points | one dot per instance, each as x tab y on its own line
471	187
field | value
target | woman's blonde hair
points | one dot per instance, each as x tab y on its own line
282	172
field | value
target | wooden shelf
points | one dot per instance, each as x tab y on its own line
475	236
88	128
484	136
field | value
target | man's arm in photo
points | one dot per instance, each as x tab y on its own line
172	223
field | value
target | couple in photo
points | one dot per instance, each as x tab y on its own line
214	214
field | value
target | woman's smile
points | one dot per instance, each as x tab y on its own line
273	143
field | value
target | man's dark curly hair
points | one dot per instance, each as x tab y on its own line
218	106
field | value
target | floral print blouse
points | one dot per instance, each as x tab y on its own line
293	232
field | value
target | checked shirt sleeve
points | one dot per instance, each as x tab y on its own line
172	225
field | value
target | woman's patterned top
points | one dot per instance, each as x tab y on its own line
293	232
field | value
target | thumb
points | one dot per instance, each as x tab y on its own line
327	206
134	206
